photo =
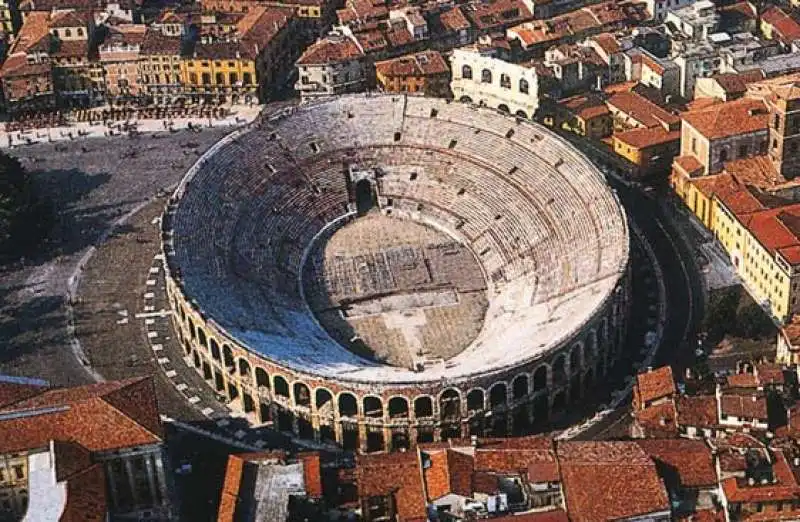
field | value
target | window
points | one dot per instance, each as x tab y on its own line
776	123
233	78
466	72
220	78
505	81
18	471
80	31
743	151
723	155
206	78
67	33
304	79
247	79
523	86
694	145
486	76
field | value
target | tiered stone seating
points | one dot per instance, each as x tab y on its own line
536	214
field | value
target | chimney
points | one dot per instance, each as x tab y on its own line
474	441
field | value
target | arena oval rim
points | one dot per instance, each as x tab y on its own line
242	235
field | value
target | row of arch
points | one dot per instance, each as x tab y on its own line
523	86
345	404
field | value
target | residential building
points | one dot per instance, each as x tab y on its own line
335	64
160	75
77	77
586	115
91	452
776	24
270	486
641	66
611	52
6	18
783	103
425	72
724	132
119	56
27	73
658	9
631	488
489	81
695	20
631	110
726	86
245	65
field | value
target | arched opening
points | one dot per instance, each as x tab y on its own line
523	86
281	387
497	395
262	378
520	388
521	114
244	368
540	378
465	99
522	423
227	355
219	381
248	403
302	395
486	76
192	331
723	155
201	338
323	399
214	350
233	392
575	388
575	359
373	407
541	409
450	432
503	108
400	440
475	399
348	406
263	412
505	81
593	344
206	371
450	404
187	347
304	428
423	407
588	382
559	370
398	408
350	441
196	360
375	440
466	72
559	402
365	197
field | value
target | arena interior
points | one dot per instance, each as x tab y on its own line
384	270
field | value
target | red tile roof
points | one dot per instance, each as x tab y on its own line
454	20
126	410
331	49
689	164
750	406
730	191
425	63
654	384
518	455
742	380
721	120
786	488
787	29
450	471
554	515
691	459
736	83
645	138
658	420
605	481
774	229
86	496
396	474
639	108
699	411
312	473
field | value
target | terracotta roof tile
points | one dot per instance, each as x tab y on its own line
396	474
736	83
644	138
454	20
426	63
785	26
691	459
654	384
86	496
689	164
331	49
731	118
639	108
699	411
658	420
609	481
750	406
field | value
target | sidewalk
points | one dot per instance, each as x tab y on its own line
240	114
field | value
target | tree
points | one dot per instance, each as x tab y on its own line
720	314
25	216
752	322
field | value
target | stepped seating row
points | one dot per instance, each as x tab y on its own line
530	207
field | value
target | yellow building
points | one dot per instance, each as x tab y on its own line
585	115
243	67
651	150
5	17
762	243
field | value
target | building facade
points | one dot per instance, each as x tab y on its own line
484	80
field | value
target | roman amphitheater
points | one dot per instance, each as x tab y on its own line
384	270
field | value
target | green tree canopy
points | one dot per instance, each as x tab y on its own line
25	216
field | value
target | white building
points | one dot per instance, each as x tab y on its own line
658	9
482	79
334	64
